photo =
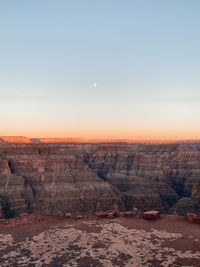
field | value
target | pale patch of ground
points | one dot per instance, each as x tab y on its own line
103	243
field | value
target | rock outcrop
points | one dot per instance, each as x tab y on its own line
189	204
151	215
191	217
85	178
196	191
149	176
33	181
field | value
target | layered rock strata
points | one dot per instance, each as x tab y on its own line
189	204
149	176
35	182
81	178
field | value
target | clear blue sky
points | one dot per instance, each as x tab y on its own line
104	68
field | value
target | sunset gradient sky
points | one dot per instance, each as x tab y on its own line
100	69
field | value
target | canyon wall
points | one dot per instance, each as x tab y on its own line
84	178
49	181
149	176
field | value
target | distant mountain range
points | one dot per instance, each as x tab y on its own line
23	139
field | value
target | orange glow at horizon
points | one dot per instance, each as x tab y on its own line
130	71
146	134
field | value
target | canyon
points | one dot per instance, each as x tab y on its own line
60	177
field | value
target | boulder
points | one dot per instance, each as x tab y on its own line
191	217
151	215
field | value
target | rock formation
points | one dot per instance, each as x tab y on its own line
80	178
149	176
151	215
191	217
189	204
196	191
33	181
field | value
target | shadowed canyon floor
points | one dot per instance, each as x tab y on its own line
57	241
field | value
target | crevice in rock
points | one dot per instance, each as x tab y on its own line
33	189
129	161
10	166
179	188
7	213
28	198
39	151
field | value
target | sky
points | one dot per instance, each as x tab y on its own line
100	69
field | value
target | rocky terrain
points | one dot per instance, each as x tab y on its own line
57	241
189	204
80	178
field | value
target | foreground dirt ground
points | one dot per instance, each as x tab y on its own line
57	241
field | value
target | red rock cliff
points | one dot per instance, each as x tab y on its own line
80	178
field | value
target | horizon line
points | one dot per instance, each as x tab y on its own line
26	139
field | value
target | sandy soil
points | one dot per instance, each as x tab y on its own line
56	241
